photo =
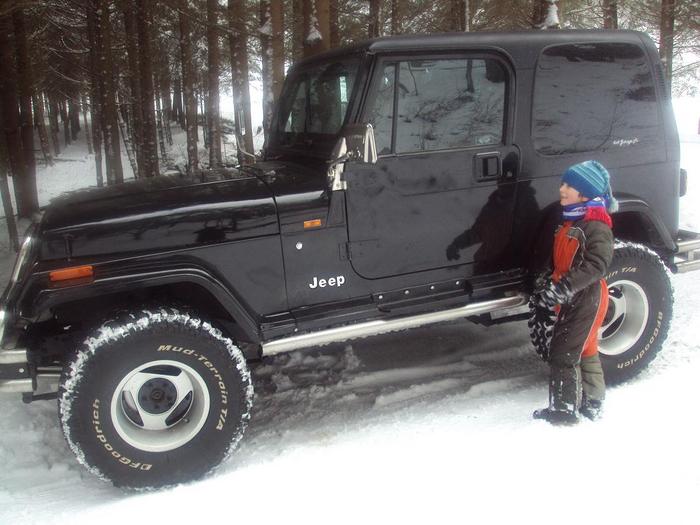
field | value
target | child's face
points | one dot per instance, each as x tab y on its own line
569	195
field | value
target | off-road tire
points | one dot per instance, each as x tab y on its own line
175	365
640	276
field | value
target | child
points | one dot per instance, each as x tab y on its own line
578	294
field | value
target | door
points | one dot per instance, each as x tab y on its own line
442	192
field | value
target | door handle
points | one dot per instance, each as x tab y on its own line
488	166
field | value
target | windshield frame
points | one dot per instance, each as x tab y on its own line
317	144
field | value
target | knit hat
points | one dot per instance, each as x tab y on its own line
591	179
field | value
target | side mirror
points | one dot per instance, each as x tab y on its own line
361	143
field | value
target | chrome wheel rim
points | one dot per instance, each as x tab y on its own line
160	405
626	319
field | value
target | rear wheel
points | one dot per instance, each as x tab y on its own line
154	399
639	311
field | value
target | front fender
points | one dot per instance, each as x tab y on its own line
39	299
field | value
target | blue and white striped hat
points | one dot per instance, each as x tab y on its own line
591	179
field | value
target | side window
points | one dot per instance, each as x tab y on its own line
296	119
593	96
381	110
449	103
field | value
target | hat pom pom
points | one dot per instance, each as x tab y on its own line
613	205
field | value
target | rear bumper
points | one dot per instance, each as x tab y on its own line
687	258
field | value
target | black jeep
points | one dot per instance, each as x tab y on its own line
406	181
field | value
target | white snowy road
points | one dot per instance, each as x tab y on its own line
428	426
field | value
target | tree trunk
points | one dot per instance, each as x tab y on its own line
65	121
277	63
323	13
333	24
38	103
610	14
188	80
203	112
539	8
165	95
74	116
667	21
213	117
95	90
471	14
266	64
159	124
178	113
9	95
135	103
297	28
396	26
239	74
374	13
88	135
108	92
458	12
25	187
128	145
53	124
144	22
4	186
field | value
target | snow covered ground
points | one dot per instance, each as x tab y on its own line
432	425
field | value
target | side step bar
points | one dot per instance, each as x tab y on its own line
383	326
688	255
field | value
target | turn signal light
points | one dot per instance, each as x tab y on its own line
66	274
315	223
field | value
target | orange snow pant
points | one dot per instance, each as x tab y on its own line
575	367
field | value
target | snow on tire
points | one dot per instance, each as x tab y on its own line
154	399
639	311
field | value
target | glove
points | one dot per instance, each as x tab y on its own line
540	283
555	293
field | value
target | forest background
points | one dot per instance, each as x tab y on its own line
125	72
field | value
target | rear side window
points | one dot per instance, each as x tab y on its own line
438	104
593	96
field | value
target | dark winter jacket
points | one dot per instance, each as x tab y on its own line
583	250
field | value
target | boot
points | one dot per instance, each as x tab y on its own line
591	408
556	417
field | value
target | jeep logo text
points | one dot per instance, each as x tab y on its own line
322	283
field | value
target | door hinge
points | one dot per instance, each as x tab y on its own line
345	253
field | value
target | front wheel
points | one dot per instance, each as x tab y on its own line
639	311
154	399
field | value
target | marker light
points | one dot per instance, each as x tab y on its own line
315	223
66	274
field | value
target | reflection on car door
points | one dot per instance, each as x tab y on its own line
443	190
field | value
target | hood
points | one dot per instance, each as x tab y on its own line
165	212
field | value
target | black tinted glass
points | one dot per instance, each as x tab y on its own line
449	103
315	100
593	96
381	109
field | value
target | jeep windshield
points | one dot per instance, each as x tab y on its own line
313	106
